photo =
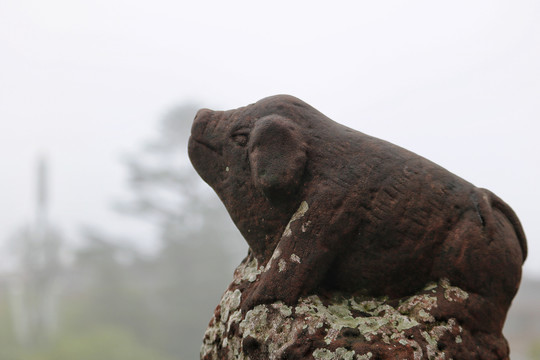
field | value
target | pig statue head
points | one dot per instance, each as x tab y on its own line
255	159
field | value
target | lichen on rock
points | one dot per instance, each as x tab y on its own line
336	326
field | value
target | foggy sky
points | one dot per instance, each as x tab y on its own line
85	82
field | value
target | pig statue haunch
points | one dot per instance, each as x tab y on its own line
325	207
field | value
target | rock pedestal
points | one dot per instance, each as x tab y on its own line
342	326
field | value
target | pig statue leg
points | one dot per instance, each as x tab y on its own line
301	259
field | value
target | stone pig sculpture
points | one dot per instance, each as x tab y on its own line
325	207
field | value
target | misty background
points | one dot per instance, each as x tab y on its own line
111	247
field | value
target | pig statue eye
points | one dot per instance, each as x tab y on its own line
241	138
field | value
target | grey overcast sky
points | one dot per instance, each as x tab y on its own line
86	81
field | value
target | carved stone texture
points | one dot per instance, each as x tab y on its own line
328	211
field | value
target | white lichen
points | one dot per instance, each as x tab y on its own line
364	356
254	324
302	209
305	226
247	272
284	310
340	354
323	354
275	255
230	302
453	293
295	258
282	265
236	317
418	307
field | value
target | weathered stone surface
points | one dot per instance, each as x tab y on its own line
328	210
342	326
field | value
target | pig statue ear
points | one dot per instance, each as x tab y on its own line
277	154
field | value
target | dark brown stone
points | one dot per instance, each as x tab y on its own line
326	209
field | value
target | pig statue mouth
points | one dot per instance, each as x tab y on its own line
325	207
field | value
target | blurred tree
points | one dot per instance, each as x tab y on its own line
98	344
199	245
35	284
9	347
534	351
104	289
119	302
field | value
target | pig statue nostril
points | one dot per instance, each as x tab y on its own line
203	114
200	122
